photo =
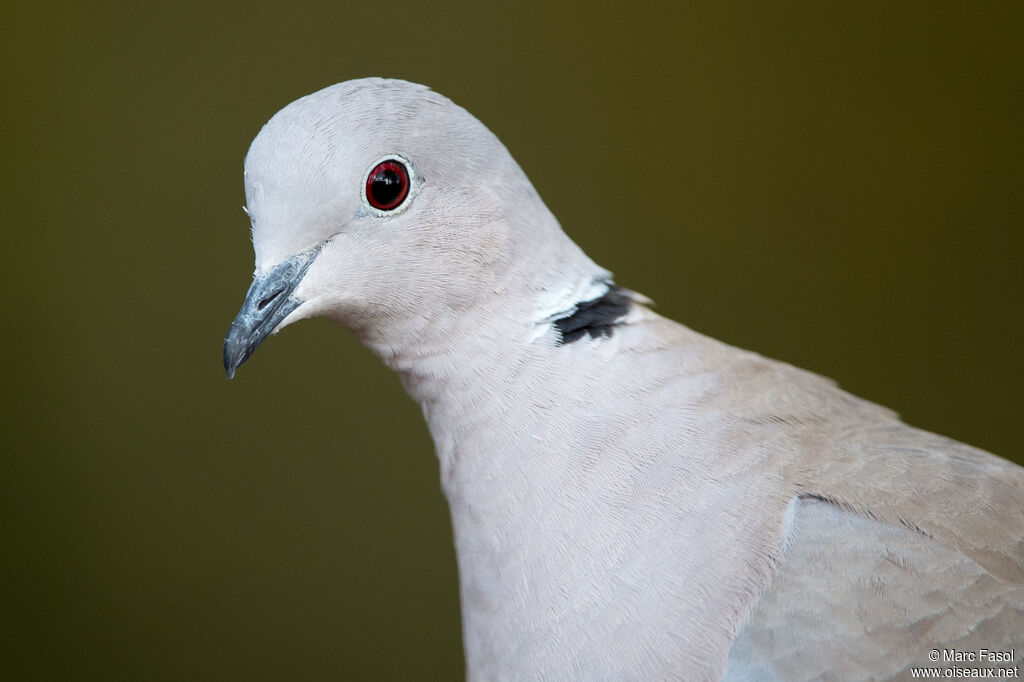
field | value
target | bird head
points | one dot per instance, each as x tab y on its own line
376	201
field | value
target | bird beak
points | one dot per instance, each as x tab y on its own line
268	301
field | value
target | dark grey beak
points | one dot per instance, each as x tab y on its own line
268	301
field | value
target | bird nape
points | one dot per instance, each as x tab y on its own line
630	499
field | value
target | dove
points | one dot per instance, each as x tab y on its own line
629	499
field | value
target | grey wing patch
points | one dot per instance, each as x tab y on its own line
857	599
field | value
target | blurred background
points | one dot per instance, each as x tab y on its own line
838	185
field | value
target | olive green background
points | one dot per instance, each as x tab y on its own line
839	185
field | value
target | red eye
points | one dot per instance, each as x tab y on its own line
387	185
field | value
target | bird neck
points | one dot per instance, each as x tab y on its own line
467	368
442	349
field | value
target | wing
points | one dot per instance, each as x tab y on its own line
899	542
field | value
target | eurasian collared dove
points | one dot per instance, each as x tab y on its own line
630	499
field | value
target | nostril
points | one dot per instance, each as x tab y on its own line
269	299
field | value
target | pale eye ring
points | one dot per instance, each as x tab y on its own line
387	184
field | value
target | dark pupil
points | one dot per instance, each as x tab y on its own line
386	186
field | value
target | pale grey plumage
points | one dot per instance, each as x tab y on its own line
645	503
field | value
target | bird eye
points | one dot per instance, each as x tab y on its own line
387	185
